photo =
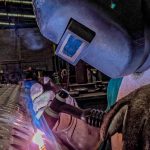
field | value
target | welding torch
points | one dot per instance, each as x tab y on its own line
91	116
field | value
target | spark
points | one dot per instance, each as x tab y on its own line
38	140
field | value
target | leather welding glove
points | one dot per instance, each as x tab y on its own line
43	100
40	98
36	90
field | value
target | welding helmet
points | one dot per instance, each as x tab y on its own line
84	30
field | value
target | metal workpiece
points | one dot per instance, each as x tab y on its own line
5	93
16	130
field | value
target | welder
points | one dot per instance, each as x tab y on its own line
114	40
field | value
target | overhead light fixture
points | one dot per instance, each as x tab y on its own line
17	15
18	1
7	23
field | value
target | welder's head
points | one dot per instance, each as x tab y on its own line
87	30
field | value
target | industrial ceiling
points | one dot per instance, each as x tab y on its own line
16	14
19	13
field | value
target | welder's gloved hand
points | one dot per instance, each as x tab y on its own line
40	99
44	80
36	90
43	100
48	84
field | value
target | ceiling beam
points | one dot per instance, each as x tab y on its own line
17	15
17	2
7	23
18	26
